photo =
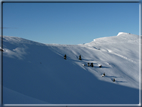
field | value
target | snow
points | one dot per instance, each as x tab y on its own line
17	52
122	33
19	98
38	73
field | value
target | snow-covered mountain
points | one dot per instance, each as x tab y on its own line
38	73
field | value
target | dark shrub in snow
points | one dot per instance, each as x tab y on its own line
91	64
103	75
80	57
65	56
113	80
83	64
100	66
88	64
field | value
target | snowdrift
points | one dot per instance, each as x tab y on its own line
36	73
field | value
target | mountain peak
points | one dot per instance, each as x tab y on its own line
122	33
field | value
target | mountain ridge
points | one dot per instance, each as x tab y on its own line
33	65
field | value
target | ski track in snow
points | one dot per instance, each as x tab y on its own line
121	56
110	51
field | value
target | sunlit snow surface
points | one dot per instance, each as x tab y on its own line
38	73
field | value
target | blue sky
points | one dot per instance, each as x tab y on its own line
69	23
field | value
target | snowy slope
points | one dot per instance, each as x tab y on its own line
39	72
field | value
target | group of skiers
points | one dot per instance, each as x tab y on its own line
89	64
65	57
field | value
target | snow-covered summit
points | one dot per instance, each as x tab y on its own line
128	36
122	33
120	38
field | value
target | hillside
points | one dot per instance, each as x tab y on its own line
38	73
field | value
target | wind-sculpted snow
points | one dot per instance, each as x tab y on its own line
40	73
17	52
